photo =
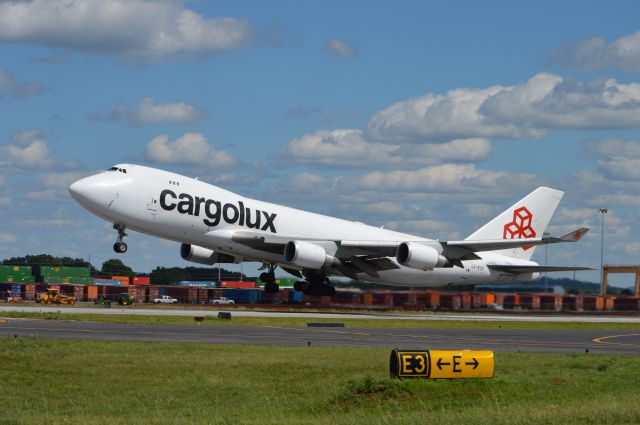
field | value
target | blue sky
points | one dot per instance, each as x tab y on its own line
425	117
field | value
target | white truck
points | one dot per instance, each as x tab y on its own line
165	299
222	300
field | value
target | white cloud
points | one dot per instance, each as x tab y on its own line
133	29
616	159
596	53
7	237
526	110
190	149
150	112
441	178
27	150
341	48
348	147
10	86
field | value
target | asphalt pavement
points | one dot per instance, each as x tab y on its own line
498	339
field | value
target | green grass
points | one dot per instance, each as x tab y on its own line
98	382
298	322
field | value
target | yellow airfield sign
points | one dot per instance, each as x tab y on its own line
440	364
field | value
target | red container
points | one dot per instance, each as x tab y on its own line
450	301
30	292
141	280
530	302
78	292
154	292
236	284
466	300
192	295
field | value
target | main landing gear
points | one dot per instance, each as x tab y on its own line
316	285
120	247
269	279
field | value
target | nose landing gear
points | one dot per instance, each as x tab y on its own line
120	247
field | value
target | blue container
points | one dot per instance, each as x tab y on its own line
162	291
243	296
16	290
107	282
197	283
295	296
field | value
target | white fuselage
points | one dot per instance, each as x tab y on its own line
186	210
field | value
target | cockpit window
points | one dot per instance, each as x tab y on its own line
120	170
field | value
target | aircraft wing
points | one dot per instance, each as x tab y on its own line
535	269
377	249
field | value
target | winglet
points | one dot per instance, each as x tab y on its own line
575	235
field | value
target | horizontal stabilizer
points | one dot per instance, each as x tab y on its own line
536	269
458	249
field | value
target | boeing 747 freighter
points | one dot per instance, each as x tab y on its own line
218	226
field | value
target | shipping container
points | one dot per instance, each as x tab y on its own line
237	284
551	302
243	296
152	293
572	303
78	292
16	290
62	271
197	283
295	297
450	301
30	291
15	270
592	303
141	280
105	282
17	278
530	301
192	295
511	301
123	279
91	292
626	304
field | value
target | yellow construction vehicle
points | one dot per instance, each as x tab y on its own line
53	296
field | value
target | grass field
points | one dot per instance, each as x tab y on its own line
95	382
351	323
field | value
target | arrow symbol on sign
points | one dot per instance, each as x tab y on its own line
474	363
440	363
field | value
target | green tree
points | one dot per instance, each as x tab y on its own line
116	267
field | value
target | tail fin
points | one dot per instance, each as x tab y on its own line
527	218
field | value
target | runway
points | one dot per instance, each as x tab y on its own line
552	341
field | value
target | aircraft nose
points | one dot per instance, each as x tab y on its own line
78	189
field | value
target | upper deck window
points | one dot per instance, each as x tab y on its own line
120	170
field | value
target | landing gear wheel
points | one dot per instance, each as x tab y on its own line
271	288
120	247
269	279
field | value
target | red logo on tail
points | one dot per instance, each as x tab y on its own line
520	227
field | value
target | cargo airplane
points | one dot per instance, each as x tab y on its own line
217	226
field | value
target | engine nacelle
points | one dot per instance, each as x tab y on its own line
418	256
306	255
200	255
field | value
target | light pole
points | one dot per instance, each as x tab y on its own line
603	211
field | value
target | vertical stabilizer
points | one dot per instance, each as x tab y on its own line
527	218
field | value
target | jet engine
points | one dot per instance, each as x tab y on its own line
306	255
419	256
200	255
